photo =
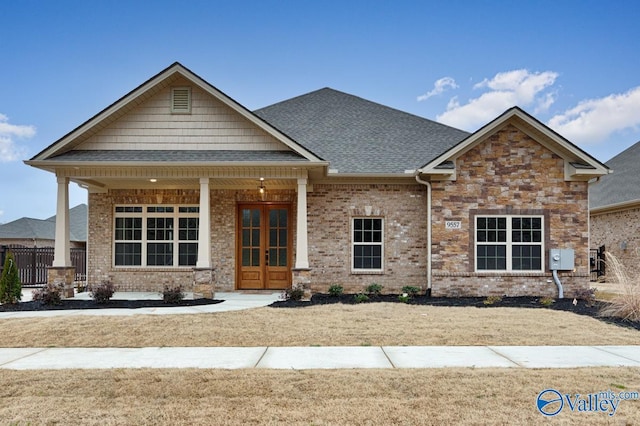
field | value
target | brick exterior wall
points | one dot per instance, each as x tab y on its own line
508	173
223	237
330	210
619	232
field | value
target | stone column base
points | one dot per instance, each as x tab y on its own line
302	279
63	276
203	285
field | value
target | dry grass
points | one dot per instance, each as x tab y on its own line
192	397
627	304
352	325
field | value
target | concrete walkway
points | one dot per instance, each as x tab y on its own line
232	302
328	357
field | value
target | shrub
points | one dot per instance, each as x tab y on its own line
627	304
102	292
491	300
374	289
336	290
411	290
546	301
10	286
172	295
50	294
588	295
404	297
293	293
361	298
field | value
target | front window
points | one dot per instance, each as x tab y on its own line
367	244
509	243
147	236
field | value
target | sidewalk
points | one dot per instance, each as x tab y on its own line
328	357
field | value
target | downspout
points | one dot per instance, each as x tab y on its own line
428	185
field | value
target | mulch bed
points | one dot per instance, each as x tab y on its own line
580	308
111	304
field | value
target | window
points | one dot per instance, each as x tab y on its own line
367	244
146	236
509	243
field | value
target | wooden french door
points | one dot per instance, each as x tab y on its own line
264	246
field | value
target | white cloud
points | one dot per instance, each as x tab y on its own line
594	120
9	150
439	87
506	89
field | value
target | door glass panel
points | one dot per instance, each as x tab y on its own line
278	237
250	237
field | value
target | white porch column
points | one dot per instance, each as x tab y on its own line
302	251
62	252
204	226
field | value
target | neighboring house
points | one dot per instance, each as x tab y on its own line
30	232
188	186
614	204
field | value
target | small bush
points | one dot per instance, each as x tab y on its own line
588	295
546	301
10	286
492	300
336	290
50	294
294	293
361	298
102	292
404	297
374	290
172	295
411	290
627	304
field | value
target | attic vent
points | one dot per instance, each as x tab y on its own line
181	100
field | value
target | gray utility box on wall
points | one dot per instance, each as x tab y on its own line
561	259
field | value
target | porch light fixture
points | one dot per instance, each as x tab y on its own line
153	180
261	188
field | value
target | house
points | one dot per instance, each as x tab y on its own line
614	205
186	186
30	232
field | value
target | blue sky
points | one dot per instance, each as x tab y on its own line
572	64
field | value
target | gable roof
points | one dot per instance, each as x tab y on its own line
147	90
358	136
28	228
623	186
579	165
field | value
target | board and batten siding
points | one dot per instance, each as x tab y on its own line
211	125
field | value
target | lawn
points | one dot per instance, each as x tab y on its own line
374	324
314	397
318	397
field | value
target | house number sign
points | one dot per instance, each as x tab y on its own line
453	224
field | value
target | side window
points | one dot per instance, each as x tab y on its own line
367	243
509	243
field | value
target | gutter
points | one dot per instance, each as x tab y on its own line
428	185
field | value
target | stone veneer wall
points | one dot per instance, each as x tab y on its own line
223	236
508	173
330	209
619	232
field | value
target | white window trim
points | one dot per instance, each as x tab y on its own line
176	215
509	244
353	244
